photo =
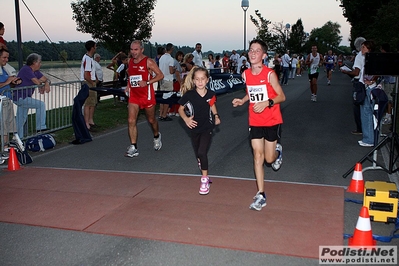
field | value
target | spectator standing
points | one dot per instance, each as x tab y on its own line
115	63
226	62
201	119
240	60
367	108
3	45
143	73
30	75
177	82
122	74
217	62
167	67
211	61
286	61
357	81
277	65
245	65
264	94
122	71
160	52
98	70
188	61
294	62
88	76
6	82
198	56
234	61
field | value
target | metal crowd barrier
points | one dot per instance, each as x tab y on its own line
58	105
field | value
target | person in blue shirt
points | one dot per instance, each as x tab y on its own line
6	81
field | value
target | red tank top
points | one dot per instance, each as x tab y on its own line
259	89
137	72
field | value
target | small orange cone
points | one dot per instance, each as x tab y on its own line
362	236
357	183
13	164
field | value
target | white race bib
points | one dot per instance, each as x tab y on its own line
313	69
258	93
134	80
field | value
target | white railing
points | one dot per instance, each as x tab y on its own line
58	105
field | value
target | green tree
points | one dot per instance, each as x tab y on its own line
327	37
63	56
114	23
385	28
297	37
362	15
281	37
262	30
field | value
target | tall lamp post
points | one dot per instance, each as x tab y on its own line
245	6
19	39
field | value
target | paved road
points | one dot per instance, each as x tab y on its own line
317	146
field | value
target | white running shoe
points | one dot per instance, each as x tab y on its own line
132	151
158	142
364	144
204	187
259	202
277	163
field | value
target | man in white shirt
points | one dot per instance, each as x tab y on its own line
357	73
98	70
198	56
241	59
88	75
166	65
234	61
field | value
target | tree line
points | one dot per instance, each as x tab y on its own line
373	20
61	51
70	51
281	37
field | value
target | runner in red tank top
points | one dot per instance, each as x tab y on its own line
143	73
265	95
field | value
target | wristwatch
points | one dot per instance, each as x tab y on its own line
271	103
148	83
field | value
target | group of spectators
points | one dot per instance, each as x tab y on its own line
29	78
363	111
19	89
288	67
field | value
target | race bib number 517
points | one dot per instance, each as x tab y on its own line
258	93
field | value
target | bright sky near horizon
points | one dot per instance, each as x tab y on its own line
217	24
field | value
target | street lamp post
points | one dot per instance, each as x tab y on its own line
19	39
287	28
245	6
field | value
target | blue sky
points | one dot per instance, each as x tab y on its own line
217	24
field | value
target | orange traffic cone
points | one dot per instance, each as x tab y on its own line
13	163
357	183
362	236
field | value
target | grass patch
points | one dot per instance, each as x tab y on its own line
108	115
